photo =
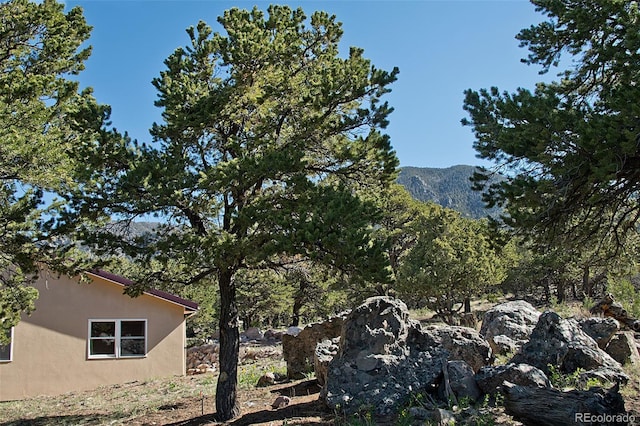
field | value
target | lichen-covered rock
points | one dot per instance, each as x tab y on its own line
325	351
562	343
461	343
491	378
462	380
503	345
514	320
374	368
600	329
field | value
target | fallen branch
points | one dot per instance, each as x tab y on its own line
548	406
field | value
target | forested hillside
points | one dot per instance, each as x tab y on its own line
448	187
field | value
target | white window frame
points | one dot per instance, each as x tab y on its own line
10	348
117	338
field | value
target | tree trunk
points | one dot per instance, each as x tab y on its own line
587	287
226	391
297	306
547	290
560	290
299	298
547	406
467	305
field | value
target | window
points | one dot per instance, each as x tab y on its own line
117	338
6	350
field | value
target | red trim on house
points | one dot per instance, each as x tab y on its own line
188	304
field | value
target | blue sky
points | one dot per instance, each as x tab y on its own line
440	47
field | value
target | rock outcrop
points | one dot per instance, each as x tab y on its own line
507	326
600	329
462	382
491	378
325	351
461	343
562	343
374	368
382	357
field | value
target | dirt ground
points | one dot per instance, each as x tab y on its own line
174	401
304	409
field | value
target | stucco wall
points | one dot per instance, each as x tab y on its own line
50	346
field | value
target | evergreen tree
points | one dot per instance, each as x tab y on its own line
452	262
569	150
44	119
267	136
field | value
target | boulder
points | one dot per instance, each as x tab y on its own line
600	329
491	378
281	402
293	330
273	335
514	320
503	345
253	333
267	379
374	368
299	350
325	351
442	417
462	381
420	413
562	343
622	347
205	354
461	343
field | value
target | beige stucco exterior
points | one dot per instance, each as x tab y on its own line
50	354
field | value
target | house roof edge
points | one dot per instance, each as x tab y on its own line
189	305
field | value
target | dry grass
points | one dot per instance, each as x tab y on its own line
116	405
173	401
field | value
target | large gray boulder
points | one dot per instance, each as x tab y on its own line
462	381
491	378
562	343
600	329
374	368
507	326
461	343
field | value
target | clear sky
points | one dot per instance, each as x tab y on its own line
441	48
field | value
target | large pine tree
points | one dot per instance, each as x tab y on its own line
268	134
569	149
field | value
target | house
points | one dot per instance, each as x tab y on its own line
82	336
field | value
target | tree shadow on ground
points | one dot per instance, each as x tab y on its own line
80	419
294	411
306	388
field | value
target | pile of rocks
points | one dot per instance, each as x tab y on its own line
381	357
202	359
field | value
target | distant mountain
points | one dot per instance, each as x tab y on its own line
448	187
